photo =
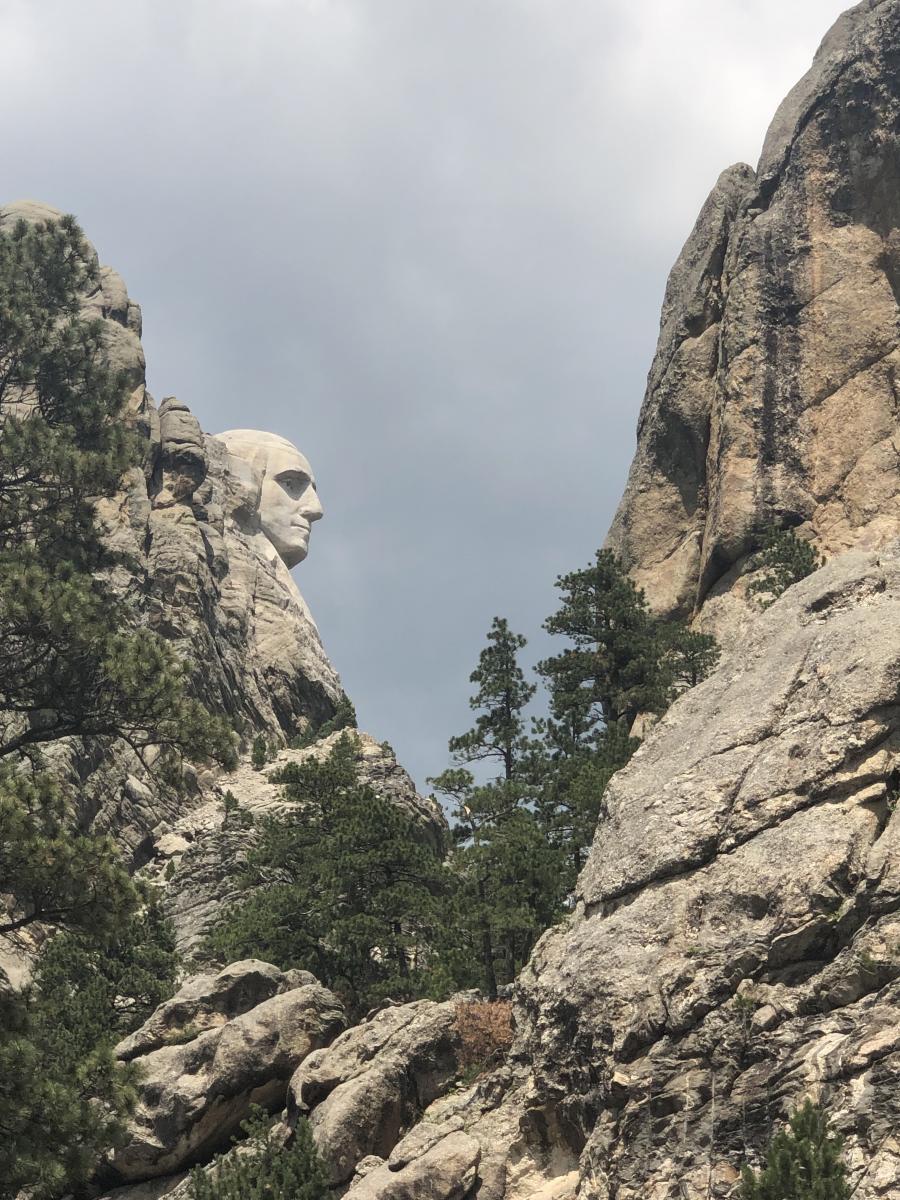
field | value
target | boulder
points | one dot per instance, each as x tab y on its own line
194	1093
362	1092
209	1001
448	1170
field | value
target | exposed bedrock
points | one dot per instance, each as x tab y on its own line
221	1044
773	392
735	940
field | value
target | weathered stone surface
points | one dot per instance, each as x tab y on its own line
366	1089
194	1094
202	574
733	944
209	1001
448	1170
772	394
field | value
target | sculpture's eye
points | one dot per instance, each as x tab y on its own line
294	483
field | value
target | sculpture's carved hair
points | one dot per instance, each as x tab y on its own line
253	446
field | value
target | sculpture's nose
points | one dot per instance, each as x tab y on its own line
313	510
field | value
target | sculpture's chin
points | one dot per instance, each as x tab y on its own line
292	555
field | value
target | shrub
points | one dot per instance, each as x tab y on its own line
485	1029
260	755
784	560
344	718
802	1163
261	1169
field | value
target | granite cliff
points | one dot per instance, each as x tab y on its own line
733	946
773	394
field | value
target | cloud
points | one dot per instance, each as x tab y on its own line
427	241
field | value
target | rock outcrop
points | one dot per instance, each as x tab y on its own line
773	394
734	942
193	530
734	945
362	1092
220	1045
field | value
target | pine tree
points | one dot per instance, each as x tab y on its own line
75	662
571	778
620	662
784	560
611	672
506	873
687	656
802	1163
507	892
261	1169
62	1094
348	887
501	698
260	754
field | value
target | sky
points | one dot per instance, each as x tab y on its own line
426	240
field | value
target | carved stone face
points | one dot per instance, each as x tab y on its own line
288	503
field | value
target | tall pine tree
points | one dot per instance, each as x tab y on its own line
506	873
620	663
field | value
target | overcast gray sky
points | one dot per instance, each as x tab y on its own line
425	239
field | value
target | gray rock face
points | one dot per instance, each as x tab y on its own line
194	565
772	394
733	947
734	942
365	1090
208	1002
195	1092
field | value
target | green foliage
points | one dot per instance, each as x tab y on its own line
571	779
261	1169
344	718
802	1163
611	671
94	990
500	700
62	1096
260	755
53	873
620	663
234	817
784	560
687	657
56	1115
76	660
506	878
346	887
506	874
